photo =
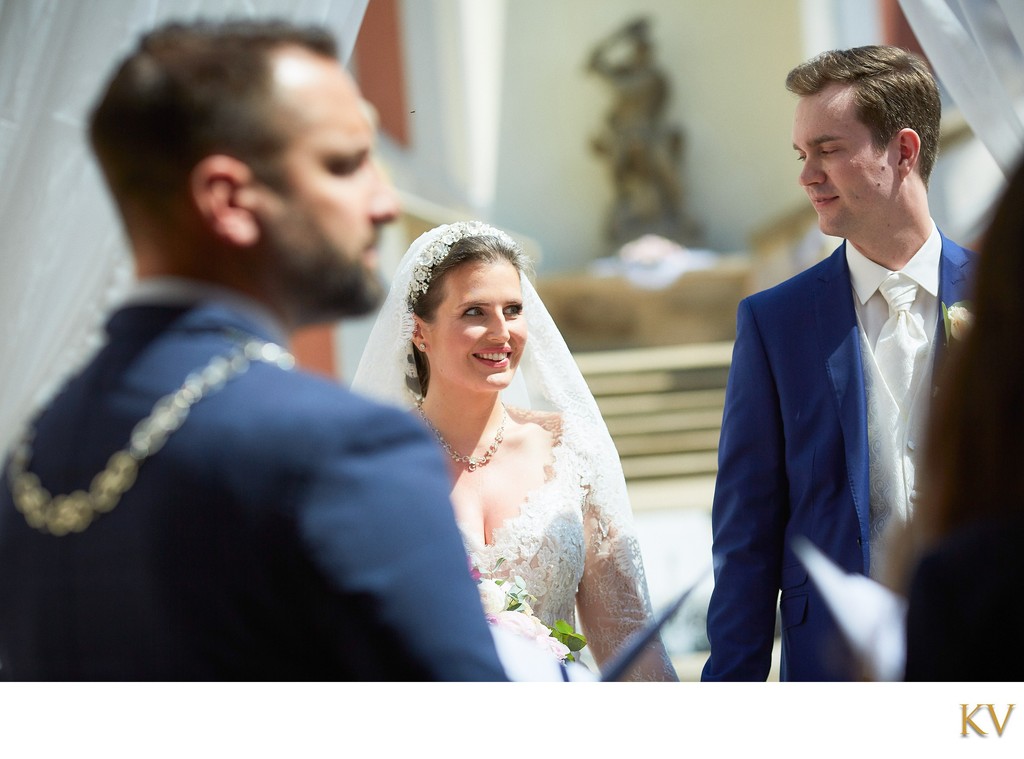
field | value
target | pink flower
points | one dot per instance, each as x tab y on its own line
522	624
555	646
528	626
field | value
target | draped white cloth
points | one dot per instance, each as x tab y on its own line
62	251
975	48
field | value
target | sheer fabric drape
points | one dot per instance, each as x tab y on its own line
63	255
975	48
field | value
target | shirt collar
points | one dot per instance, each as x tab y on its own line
923	268
181	291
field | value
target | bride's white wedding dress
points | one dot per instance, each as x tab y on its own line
572	541
570	554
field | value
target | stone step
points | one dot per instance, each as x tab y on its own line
657	381
646	403
670	465
673	441
666	370
671	357
639	424
663	407
693	492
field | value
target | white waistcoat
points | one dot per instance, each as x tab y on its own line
894	445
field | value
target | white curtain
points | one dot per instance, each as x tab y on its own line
63	257
975	49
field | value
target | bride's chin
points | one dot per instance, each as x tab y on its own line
500	381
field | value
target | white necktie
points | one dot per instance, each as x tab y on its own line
902	342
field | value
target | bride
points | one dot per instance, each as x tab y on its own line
538	489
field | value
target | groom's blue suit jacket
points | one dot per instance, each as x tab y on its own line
289	530
793	461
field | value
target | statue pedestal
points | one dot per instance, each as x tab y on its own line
608	313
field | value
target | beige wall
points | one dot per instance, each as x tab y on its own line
727	60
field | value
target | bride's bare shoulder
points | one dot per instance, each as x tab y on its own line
539	424
545	419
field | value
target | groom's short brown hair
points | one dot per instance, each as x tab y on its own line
893	90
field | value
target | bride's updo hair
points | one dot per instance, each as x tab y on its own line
477	249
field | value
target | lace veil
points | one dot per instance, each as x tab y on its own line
548	380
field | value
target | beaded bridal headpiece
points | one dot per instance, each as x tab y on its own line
434	252
438	250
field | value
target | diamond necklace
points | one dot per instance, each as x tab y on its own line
471	462
61	514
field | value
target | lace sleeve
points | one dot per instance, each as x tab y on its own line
612	600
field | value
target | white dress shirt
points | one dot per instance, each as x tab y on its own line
866	276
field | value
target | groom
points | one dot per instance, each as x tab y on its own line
190	507
819	435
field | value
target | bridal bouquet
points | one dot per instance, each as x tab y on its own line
507	604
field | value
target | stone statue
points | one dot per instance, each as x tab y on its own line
644	152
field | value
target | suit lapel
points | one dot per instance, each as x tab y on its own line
840	349
954	286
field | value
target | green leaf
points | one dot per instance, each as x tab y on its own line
575	643
564	633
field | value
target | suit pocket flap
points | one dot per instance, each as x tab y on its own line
793	575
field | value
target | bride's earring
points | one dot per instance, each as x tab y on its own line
423	346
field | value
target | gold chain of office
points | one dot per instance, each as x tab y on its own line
74	512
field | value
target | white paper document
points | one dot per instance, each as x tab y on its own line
872	617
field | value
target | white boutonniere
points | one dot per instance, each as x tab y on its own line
957	319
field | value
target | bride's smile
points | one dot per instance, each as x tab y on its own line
495	359
478	333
